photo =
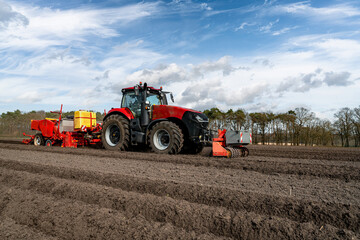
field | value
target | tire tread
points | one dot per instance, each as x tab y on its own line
124	123
178	137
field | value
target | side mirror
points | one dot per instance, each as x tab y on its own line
171	97
136	88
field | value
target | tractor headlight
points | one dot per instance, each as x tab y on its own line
200	119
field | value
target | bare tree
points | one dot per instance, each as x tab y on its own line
344	125
356	124
303	116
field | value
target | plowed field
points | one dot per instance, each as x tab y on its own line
275	193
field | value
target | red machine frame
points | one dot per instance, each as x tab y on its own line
220	149
50	131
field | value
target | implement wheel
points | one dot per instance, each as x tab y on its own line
48	143
206	151
115	134
192	148
39	140
166	138
244	152
196	148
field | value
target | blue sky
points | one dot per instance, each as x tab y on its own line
257	55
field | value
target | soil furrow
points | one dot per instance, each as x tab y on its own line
302	160
325	153
294	152
70	219
298	186
192	217
345	173
10	230
182	214
339	215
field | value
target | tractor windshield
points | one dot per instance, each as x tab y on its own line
133	101
153	99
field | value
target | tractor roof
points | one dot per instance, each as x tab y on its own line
149	88
141	85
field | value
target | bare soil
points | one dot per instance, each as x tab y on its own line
275	193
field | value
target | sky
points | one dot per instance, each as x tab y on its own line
250	54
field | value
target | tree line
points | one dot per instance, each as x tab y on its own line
295	127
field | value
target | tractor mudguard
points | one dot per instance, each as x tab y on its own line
126	112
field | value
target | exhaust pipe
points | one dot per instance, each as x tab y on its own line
145	119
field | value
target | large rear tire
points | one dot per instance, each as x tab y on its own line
166	138
115	134
39	140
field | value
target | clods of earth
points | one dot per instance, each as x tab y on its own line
278	192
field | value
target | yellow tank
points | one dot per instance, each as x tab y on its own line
84	118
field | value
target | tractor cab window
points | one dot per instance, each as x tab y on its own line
153	99
133	102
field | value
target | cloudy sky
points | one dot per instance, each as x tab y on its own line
257	55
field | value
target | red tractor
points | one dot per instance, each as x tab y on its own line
145	118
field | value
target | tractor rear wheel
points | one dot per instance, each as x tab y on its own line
166	138
39	139
115	134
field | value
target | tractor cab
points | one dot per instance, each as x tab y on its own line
132	99
145	118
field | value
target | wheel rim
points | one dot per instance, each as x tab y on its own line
37	141
112	135
48	143
161	139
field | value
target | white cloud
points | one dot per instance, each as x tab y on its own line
339	48
104	76
54	53
223	65
30	97
51	27
267	28
187	7
169	73
131	55
242	26
332	12
52	56
205	6
342	52
163	74
337	79
299	75
282	31
263	61
306	82
8	17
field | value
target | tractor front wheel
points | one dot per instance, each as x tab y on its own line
39	140
166	138
115	134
